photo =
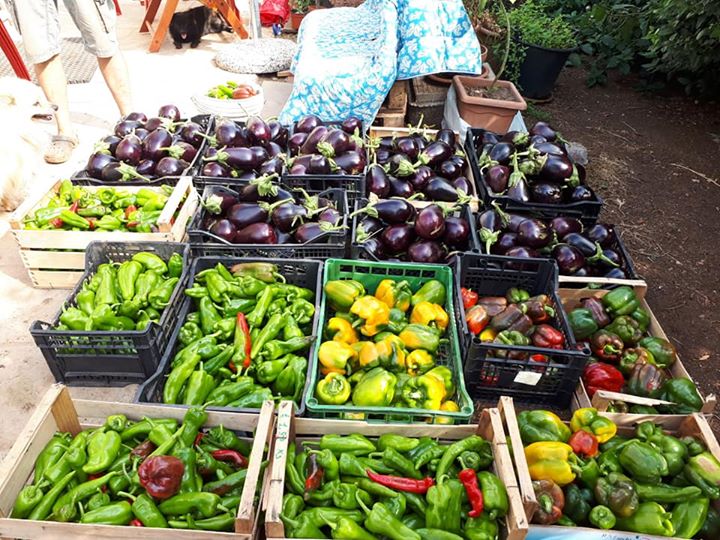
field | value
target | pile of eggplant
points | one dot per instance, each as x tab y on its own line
316	148
142	148
579	251
393	229
245	151
433	165
530	167
263	212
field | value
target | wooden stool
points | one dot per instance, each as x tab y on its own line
12	53
226	8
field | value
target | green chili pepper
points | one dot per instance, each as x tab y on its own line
271	329
495	496
28	498
199	385
103	448
144	509
256	316
159	297
151	261
127	275
175	266
119	513
44	507
144	285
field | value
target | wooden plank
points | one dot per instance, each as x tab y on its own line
51	279
602	281
397	97
390	117
162	26
36	258
79	240
173	203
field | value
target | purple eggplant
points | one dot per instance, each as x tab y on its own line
617	273
224	229
505	242
126	127
550	148
519	191
490	219
577	240
537	139
274	149
169	166
382	156
400	165
501	152
242	138
257	233
581	193
367	227
399	187
273	165
397	238
609	258
377	181
556	169
141	133
183	150
278	132
153	123
461	183
334	143
430	222
146	167
457	232
330	215
523	252
374	247
602	234
109	143
437	189
153	147
260	154
244	214
435	153
258	131
288	216
237	158
192	133
137	116
514	221
534	233
497	178
394	211
563	226
447	136
426	252
295	142
488	137
312	140
169	111
568	258
306	124
96	163
225	132
406	146
351	125
307	232
352	162
387	142
224	200
583	272
546	193
543	129
449	169
129	150
421	177
214	169
319	164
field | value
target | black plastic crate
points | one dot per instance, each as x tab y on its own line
102	358
303	273
205	120
331	244
358	251
588	211
488	377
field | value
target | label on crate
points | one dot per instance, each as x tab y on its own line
566	533
530	378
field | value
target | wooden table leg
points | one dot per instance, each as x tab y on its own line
163	25
227	9
151	8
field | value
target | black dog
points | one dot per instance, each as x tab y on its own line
190	26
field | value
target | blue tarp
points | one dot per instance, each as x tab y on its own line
348	58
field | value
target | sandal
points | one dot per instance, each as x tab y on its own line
61	148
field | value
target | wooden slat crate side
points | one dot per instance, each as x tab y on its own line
634	283
37	258
288	427
50	279
79	240
694	424
58	412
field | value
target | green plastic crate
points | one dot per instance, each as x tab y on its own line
370	274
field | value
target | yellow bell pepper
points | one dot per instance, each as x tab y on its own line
549	460
339	329
394	294
489	334
419	361
334	356
430	315
588	419
374	313
385	353
449	406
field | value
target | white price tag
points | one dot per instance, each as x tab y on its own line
528	377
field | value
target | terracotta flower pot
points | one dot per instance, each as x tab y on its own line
484	112
296	19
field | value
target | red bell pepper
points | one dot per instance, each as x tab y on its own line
606	346
469	297
584	444
477	319
548	337
601	376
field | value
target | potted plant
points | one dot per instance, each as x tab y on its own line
540	47
489	103
299	8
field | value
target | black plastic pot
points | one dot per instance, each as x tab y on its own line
540	69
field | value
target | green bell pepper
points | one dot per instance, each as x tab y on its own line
711	526
602	517
688	517
683	393
342	293
539	426
620	301
703	471
662	350
432	291
577	506
617	492
481	528
643	462
582	323
627	328
375	389
419	336
650	518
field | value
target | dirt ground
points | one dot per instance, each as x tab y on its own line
654	159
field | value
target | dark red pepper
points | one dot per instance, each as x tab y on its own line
606	346
198	438
243	324
231	456
469	297
475	496
161	476
601	376
144	449
315	474
597	309
584	444
538	308
129	210
548	337
56	223
74	207
401	484
136	523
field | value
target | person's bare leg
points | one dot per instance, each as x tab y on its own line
114	70
51	77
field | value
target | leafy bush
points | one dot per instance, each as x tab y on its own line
532	25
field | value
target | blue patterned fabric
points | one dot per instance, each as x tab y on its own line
348	58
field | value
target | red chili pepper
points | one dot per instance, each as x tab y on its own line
315	475
132	224
144	449
231	456
73	207
92	221
56	223
161	476
539	358
243	325
96	476
198	438
401	484
475	496
469	297
584	444
129	210
136	523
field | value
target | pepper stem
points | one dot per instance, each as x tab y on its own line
362	504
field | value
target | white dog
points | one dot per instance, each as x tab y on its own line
22	139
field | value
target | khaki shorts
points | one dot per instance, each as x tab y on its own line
39	24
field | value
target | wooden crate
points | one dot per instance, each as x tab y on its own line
56	259
289	428
392	113
571	299
57	411
693	424
376	131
